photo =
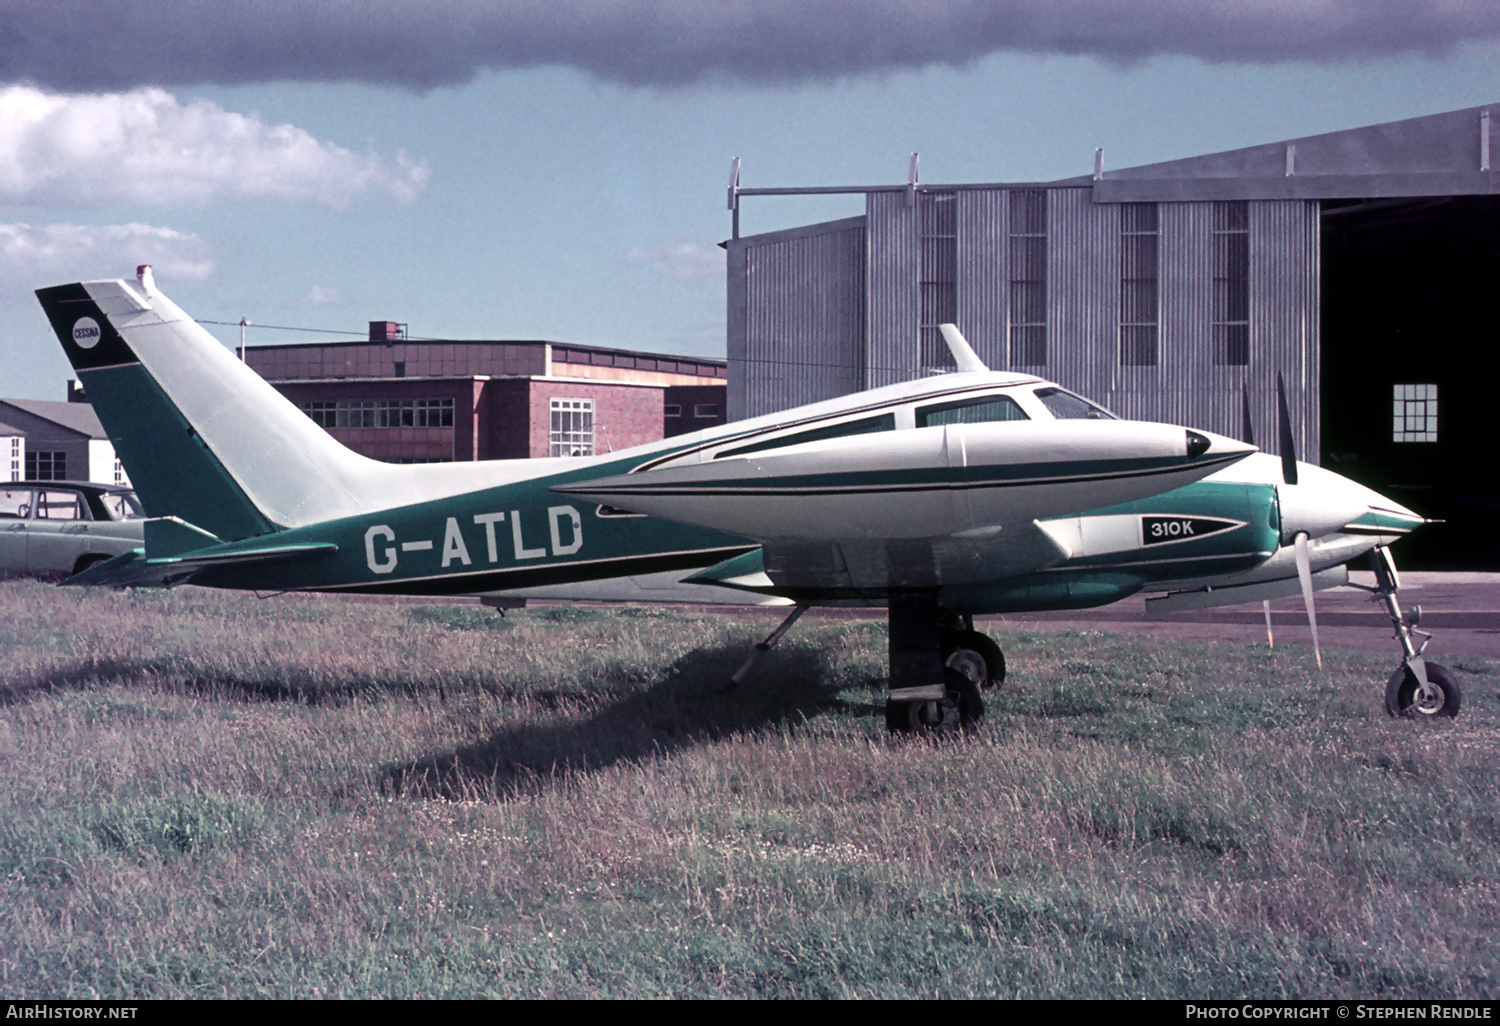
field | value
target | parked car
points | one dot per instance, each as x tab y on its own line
55	529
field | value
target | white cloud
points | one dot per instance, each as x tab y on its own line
40	255
146	147
317	297
684	260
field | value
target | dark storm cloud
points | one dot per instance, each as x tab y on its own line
75	45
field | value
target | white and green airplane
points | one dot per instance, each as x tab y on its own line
961	494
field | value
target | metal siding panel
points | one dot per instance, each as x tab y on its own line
738	368
797	323
892	351
1083	292
1284	317
984	273
1166	392
1189	388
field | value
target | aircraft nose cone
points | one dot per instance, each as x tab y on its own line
1205	443
1324	502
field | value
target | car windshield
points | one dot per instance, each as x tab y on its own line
122	506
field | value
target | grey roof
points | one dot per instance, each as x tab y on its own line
1438	154
79	417
9	430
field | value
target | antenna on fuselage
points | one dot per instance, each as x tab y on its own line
963	353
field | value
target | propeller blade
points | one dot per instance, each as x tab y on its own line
1304	575
1288	441
1247	429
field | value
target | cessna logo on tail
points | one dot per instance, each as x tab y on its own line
86	333
1158	530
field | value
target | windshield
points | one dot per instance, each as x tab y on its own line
122	506
1064	405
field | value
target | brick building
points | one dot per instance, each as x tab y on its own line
403	400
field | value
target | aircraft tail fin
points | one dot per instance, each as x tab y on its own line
203	437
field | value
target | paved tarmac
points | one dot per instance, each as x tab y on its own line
1460	610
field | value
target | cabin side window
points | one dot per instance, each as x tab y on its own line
869	425
984	410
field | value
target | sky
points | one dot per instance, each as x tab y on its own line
558	170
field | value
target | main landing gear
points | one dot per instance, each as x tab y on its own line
1418	689
939	663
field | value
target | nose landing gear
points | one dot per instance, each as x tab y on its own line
1418	689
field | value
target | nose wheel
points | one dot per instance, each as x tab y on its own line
1435	697
1418	689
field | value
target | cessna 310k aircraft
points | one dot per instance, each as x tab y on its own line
965	493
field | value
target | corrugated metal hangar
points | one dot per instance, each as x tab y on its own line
1358	265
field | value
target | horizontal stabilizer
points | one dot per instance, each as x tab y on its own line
1208	598
134	569
169	536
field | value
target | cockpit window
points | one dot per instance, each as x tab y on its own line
1064	405
983	410
870	425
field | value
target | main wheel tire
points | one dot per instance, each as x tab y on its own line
961	709
1403	696
976	657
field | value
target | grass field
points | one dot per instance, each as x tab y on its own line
208	795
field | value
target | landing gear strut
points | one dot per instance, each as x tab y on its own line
938	664
1418	688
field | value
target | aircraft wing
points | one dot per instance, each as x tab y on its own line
942	505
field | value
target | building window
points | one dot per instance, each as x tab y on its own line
1230	311
703	411
1416	414
379	413
16	449
572	431
46	466
119	472
937	221
1028	278
672	410
1139	235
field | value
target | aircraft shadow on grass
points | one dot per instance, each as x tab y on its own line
684	708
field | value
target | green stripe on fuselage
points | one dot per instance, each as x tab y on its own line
512	536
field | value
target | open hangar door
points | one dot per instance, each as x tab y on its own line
1411	393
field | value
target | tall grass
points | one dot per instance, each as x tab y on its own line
203	794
